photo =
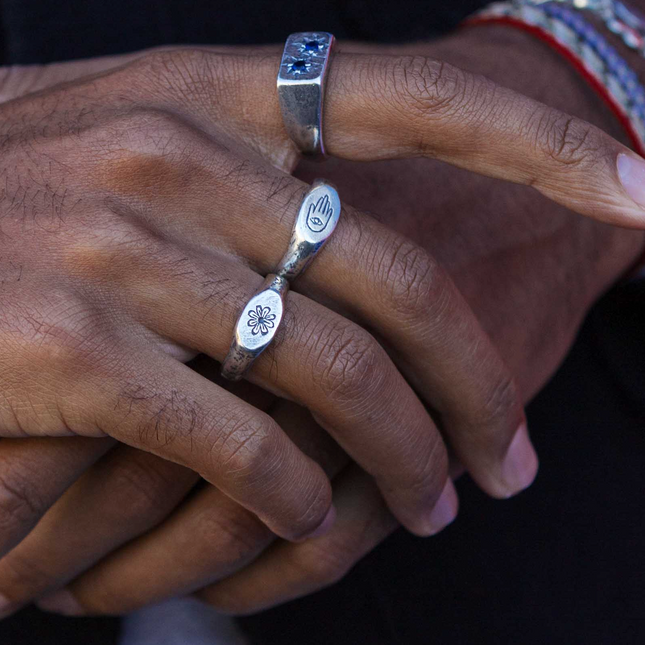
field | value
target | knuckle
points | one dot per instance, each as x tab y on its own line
92	257
64	336
21	505
412	279
165	415
140	487
427	474
234	537
426	87
184	72
245	446
564	139
325	565
250	453
312	510
135	144
501	401
347	360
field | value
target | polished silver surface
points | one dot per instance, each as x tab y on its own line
259	321
256	327
301	88
316	221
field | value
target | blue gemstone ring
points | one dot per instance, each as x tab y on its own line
301	88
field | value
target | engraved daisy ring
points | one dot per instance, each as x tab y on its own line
259	321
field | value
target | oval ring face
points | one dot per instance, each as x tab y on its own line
318	214
260	320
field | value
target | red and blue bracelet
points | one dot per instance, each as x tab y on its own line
566	31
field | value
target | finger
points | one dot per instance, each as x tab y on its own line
319	359
207	538
145	398
19	80
210	539
397	289
125	583
410	302
125	494
285	573
424	107
34	473
383	280
388	106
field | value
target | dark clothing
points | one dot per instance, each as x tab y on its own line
563	562
37	31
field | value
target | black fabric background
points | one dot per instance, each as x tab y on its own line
562	563
37	31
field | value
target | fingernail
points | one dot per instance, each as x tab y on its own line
520	464
631	172
445	510
7	607
61	602
326	525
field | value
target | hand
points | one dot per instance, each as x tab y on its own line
147	200
520	281
324	565
319	214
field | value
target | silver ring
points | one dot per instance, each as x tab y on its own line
301	88
259	321
316	221
256	327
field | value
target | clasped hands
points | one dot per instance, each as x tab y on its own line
141	207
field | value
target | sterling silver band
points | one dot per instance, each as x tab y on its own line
301	88
259	321
256	327
316	221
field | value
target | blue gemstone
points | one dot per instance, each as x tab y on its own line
299	66
312	46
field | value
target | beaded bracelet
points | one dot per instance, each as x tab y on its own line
597	61
571	35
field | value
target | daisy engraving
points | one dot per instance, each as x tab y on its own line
260	320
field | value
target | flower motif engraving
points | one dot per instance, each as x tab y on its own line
260	320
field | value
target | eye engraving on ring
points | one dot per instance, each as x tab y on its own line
259	320
319	214
316	221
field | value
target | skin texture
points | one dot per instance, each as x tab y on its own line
522	263
95	320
